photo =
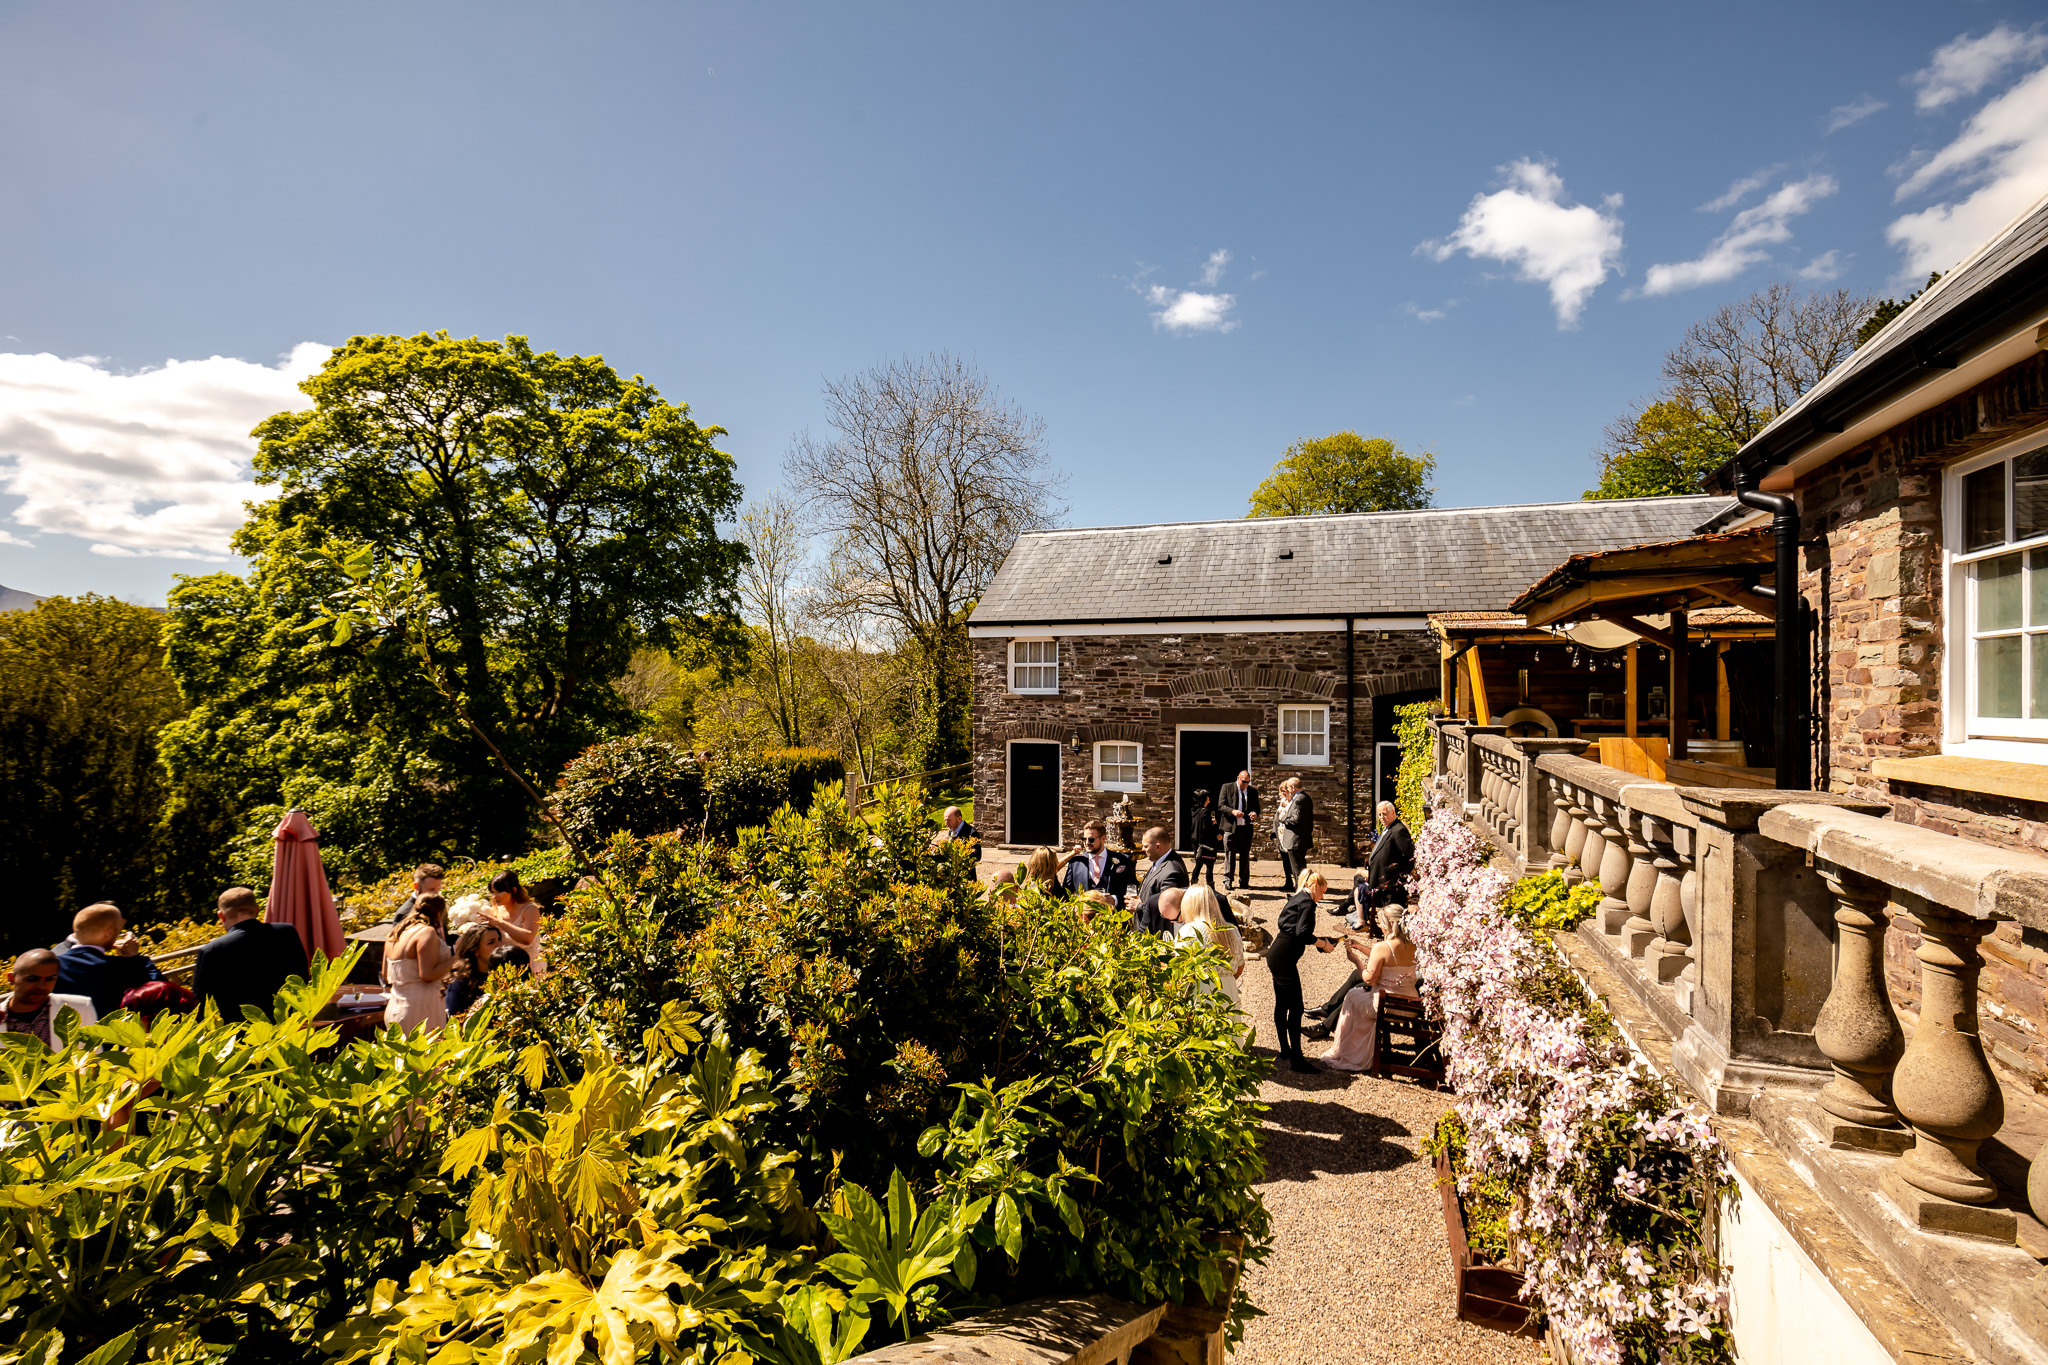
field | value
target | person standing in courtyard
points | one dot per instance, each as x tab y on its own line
1095	866
426	881
1167	871
1294	828
959	830
1208	836
416	967
250	962
108	961
517	916
1296	930
1393	859
33	1005
1238	808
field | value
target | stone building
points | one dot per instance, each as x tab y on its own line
1144	662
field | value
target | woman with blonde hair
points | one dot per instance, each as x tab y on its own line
1042	870
1388	968
1201	919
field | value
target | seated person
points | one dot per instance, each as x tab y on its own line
250	962
108	961
1387	968
473	949
33	1006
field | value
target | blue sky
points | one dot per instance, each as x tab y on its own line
1184	235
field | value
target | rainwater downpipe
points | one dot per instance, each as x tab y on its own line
1791	729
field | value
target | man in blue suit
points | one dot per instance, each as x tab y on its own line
1095	866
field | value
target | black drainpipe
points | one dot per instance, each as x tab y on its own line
1791	728
1350	742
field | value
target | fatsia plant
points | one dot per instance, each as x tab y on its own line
890	1251
634	1214
219	1187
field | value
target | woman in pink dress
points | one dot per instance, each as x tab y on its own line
1389	969
416	965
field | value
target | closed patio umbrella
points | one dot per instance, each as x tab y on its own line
298	888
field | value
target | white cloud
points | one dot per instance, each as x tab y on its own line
1746	241
2003	151
1741	190
1854	112
1966	65
1824	267
1569	247
147	464
1194	310
1421	314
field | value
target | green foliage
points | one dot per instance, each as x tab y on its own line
1887	309
1411	729
890	1252
1545	901
1487	1200
1344	472
1664	450
221	1187
638	783
545	517
805	771
83	692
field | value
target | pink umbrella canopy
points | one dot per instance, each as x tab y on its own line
298	888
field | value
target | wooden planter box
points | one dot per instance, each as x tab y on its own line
1489	1295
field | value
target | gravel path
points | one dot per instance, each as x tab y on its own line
1359	1270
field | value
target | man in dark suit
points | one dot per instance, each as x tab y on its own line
107	962
1238	805
1386	883
1294	829
1095	866
249	963
1167	871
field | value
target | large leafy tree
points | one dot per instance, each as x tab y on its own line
1662	449
83	692
546	515
1344	472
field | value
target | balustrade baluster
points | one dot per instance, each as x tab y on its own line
1944	1088
1561	827
1671	950
1614	864
1593	848
1857	1031
1639	931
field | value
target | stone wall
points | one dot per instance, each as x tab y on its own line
1141	687
1873	568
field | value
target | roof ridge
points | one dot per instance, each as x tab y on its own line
1572	503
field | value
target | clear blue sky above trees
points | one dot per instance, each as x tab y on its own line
741	202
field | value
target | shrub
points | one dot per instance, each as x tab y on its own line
805	771
639	784
1411	728
1544	901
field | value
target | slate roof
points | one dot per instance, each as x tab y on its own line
1368	564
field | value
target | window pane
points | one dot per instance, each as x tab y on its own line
1984	508
1998	594
2037	706
2030	495
2037	588
1998	677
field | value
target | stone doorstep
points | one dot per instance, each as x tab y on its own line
1880	1300
1995	1296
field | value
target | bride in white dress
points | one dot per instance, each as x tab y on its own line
1389	969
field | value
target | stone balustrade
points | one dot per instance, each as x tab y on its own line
1749	926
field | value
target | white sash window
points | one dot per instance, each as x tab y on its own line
1119	767
1305	735
1035	666
1998	598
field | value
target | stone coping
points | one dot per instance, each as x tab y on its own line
1990	776
1970	878
1095	1330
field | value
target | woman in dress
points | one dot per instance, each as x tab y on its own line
1201	919
416	962
1208	832
517	917
1042	870
473	949
1296	930
1388	968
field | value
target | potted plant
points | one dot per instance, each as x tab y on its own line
1483	1262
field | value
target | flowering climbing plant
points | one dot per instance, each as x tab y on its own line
1614	1175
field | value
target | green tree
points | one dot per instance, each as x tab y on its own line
1345	472
548	517
1664	448
1886	309
83	692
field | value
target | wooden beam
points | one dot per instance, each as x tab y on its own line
1722	704
1739	596
1680	702
1639	626
1481	711
1629	704
1448	672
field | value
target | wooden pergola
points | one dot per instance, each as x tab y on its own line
1675	595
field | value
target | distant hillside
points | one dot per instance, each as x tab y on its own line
14	599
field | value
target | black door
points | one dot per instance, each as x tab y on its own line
1035	794
1209	759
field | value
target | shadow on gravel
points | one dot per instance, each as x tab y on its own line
1305	1138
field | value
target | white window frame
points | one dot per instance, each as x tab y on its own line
1138	762
1014	665
1288	760
2016	739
